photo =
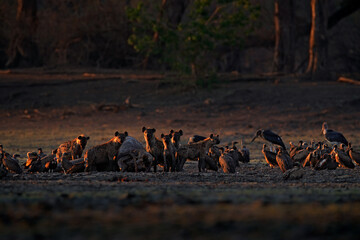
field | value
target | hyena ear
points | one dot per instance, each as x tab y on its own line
181	132
171	131
87	138
211	135
162	135
154	130
143	129
80	137
116	133
126	134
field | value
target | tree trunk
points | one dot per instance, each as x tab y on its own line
318	42
284	52
22	51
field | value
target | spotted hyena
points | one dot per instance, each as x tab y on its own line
196	151
102	157
169	153
154	146
175	137
75	147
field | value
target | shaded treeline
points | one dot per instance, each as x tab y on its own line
289	36
81	33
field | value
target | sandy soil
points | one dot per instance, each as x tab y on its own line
45	109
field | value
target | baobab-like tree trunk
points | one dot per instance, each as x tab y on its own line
318	41
22	49
284	53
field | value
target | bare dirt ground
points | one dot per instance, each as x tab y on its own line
40	109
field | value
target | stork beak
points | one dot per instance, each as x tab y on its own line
254	138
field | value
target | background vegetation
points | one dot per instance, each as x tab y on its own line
199	37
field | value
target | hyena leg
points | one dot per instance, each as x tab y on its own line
149	160
155	164
201	164
112	165
134	158
182	163
173	163
166	165
89	166
177	162
122	163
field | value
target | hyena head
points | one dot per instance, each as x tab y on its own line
149	133
175	137
166	139
82	140
119	138
214	139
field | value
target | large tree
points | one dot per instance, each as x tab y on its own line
318	40
22	49
321	22
284	54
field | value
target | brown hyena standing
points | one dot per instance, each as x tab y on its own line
154	146
196	151
75	147
169	153
102	157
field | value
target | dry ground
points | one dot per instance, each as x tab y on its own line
41	109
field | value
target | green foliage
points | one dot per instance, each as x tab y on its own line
191	45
